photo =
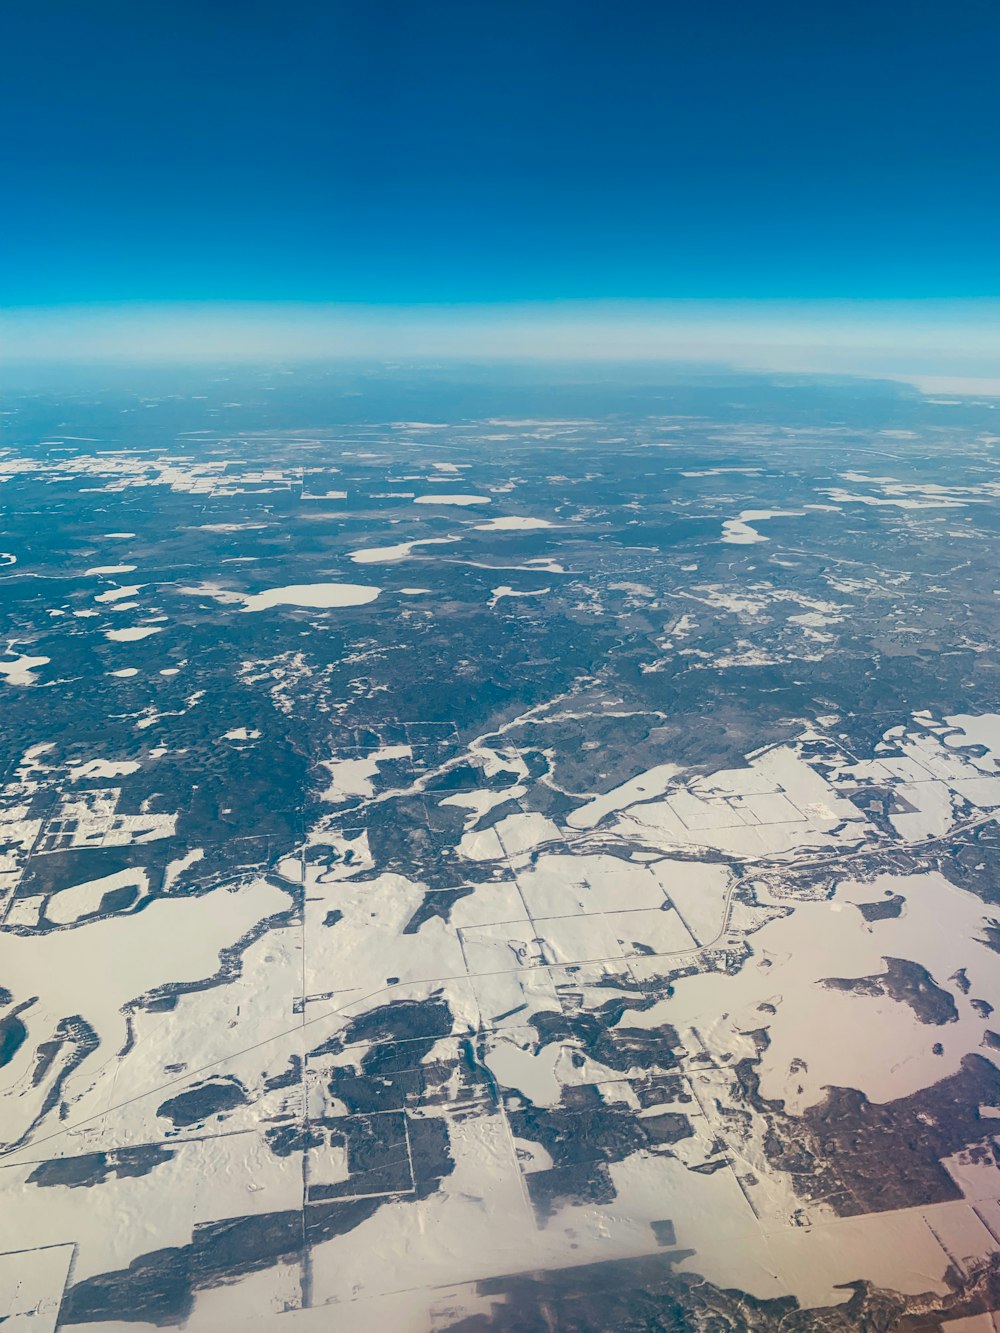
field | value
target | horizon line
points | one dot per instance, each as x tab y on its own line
913	340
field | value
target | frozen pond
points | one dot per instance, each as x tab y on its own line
321	595
388	555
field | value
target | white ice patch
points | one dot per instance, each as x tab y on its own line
102	768
722	471
388	555
895	501
738	531
22	670
231	527
132	635
321	595
512	523
452	500
117	594
505	591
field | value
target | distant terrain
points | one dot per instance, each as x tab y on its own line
498	855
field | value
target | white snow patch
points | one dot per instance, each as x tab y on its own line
176	868
353	777
654	782
516	1066
96	970
69	905
102	768
524	832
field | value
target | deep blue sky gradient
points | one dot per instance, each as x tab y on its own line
358	150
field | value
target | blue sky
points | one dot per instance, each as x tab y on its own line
369	152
